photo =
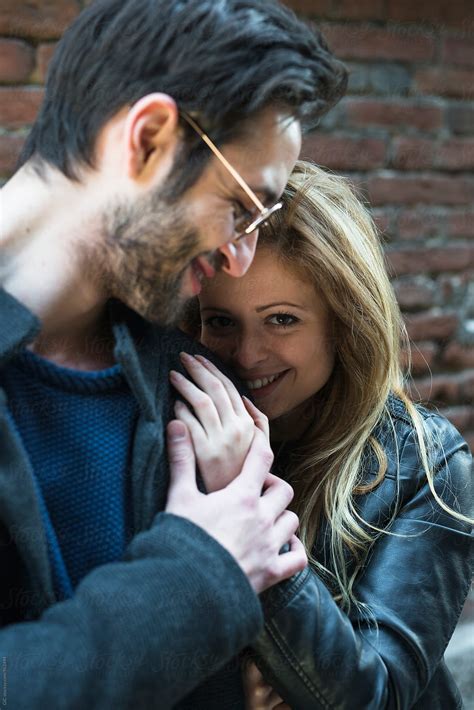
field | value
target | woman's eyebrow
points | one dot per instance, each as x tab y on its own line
280	303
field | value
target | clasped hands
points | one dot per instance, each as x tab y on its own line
228	437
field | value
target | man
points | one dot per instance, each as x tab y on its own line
116	595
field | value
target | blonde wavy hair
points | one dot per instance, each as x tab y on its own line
325	234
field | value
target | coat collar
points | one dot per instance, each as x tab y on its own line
18	326
134	349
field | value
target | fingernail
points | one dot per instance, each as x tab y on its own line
201	358
176	431
185	357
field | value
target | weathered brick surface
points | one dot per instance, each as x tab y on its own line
458	356
438	13
458	49
431	326
430	260
460	118
415	293
19	106
41	19
430	189
345	153
10	147
16	61
44	54
396	115
442	81
361	41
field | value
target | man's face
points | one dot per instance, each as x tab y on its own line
158	249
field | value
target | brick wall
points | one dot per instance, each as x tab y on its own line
404	134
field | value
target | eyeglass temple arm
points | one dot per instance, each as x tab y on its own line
224	161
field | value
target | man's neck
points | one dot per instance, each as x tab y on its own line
43	265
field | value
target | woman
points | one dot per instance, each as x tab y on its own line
382	487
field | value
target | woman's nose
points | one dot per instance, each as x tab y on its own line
238	255
248	352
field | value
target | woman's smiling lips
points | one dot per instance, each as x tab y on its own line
265	384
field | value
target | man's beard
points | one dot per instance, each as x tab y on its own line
146	248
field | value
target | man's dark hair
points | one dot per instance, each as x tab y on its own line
221	60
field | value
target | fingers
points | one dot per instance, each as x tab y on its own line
260	695
198	435
277	494
286	526
256	466
259	418
204	407
181	460
229	386
291	562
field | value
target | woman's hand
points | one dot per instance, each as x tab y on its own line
223	423
259	695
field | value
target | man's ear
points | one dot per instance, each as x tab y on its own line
151	134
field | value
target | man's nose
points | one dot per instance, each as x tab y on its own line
238	255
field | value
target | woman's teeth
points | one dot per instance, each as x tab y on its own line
257	384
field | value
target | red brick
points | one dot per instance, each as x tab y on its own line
10	147
310	7
422	154
18	107
435	12
16	60
429	260
456	154
413	153
344	153
395	114
422	356
41	19
413	295
462	417
360	10
431	326
350	41
445	389
461	223
458	356
383	221
457	49
460	119
420	223
44	54
427	189
457	83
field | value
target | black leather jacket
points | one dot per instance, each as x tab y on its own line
414	582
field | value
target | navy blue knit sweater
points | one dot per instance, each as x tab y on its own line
79	454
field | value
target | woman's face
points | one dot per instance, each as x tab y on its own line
273	329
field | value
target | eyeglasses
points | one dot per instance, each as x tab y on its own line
246	223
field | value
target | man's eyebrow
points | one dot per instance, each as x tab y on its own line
265	194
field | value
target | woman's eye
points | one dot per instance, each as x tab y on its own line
218	322
283	319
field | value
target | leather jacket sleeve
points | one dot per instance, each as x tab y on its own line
414	584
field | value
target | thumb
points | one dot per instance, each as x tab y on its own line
181	457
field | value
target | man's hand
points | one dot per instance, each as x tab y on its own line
259	695
253	526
